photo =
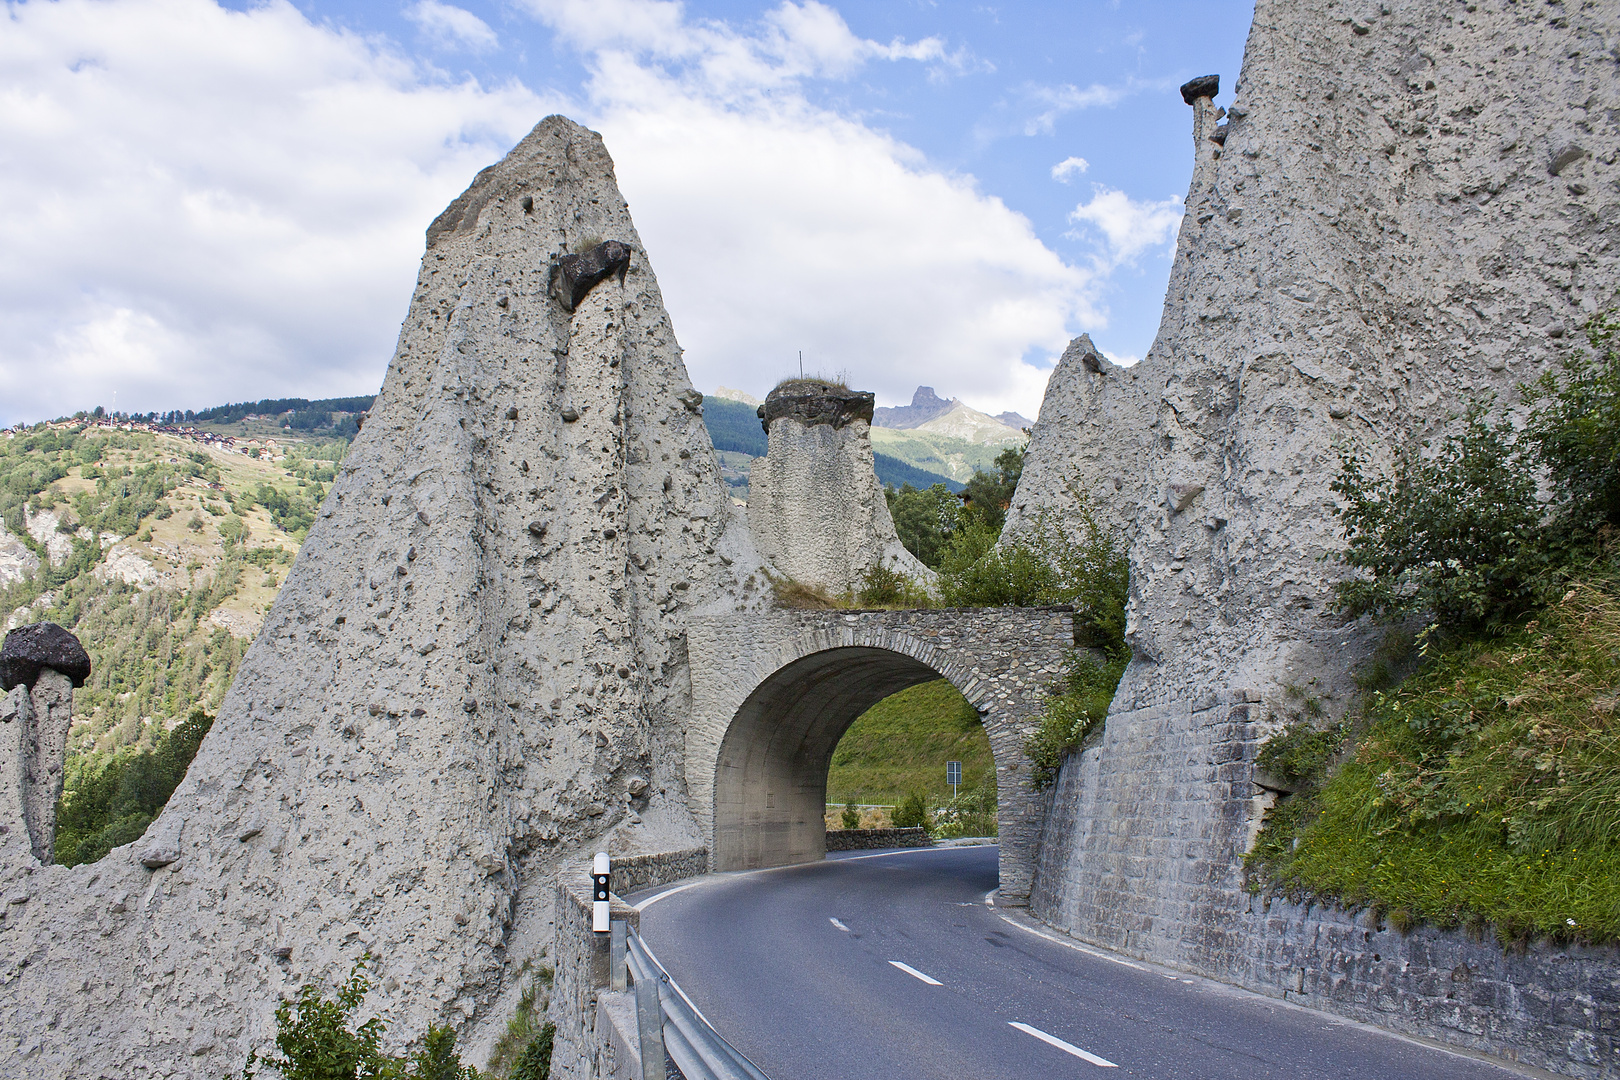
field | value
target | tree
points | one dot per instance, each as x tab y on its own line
987	496
912	813
852	816
926	520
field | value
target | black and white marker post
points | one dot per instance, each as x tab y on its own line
601	874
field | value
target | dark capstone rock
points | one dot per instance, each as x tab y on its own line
43	645
1203	86
573	276
811	401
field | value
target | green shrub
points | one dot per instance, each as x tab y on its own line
1574	424
1300	753
526	1039
316	1041
851	818
972	812
535	1061
1453	533
1075	704
912	813
1083	566
1459	534
884	587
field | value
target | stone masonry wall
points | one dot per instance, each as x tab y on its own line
873	839
1118	870
1001	659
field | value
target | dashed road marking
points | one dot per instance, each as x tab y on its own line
909	970
1066	1047
838	924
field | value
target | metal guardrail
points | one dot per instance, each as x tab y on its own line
669	1022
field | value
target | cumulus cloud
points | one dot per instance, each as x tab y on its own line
1129	227
199	204
1068	168
776	225
452	26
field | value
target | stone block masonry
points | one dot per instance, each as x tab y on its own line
1142	854
875	839
773	693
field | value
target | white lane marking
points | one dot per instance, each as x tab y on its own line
887	854
909	970
1076	946
1068	1048
651	900
838	924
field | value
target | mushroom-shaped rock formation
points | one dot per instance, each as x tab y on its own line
28	649
816	510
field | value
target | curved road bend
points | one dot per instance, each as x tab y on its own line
891	967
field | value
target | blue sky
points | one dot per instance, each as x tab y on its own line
201	203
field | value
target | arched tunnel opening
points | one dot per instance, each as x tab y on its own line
771	777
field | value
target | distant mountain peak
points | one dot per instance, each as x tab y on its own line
737	395
925	406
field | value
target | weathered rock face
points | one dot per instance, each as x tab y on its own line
815	508
478	650
1410	206
1394	224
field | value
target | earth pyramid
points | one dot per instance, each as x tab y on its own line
467	676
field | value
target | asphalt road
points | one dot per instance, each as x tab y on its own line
892	967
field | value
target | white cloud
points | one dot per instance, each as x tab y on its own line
1128	227
199	204
1068	168
452	26
1057	101
775	225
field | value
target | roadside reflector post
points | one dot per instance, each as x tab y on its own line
601	875
616	959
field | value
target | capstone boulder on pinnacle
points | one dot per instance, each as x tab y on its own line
1203	86
27	649
812	401
574	276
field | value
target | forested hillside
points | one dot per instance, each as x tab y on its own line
162	554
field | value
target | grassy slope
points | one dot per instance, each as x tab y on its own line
956	459
1484	790
901	745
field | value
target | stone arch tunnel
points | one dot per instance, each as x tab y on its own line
773	694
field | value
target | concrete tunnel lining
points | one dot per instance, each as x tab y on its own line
771	777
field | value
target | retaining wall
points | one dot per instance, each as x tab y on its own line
1143	852
869	839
